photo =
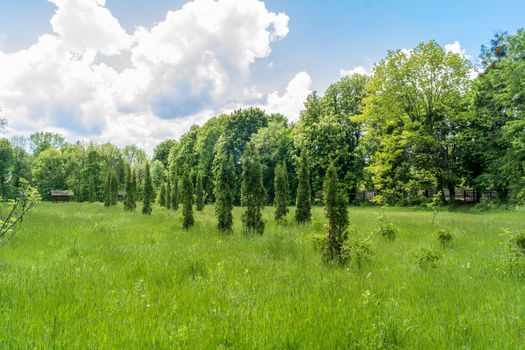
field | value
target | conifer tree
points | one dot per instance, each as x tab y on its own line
224	192
303	211
252	192
148	191
107	190
336	209
281	191
168	192
187	200
91	190
162	195
175	194
133	199
130	196
199	192
114	186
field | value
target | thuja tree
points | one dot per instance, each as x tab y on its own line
303	212
133	199
336	209
199	192
168	192
113	188
187	200
281	191
92	196
224	192
108	189
162	195
148	191
175	194
252	192
129	199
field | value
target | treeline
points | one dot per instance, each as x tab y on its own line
420	122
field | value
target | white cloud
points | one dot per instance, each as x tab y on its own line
91	78
356	70
291	103
456	48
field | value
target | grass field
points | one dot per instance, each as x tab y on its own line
83	276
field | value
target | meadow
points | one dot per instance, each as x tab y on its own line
85	276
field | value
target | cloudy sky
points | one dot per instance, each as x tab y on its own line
140	71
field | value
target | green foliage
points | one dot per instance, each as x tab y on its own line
387	229
514	253
224	192
443	236
413	114
111	188
252	192
49	172
281	192
303	212
12	215
148	191
199	192
187	200
6	164
358	251
336	210
42	141
162	195
427	258
175	194
162	151
326	133
129	199
169	193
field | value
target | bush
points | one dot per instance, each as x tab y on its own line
358	251
387	230
427	258
514	256
443	236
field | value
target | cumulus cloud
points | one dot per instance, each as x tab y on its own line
291	103
90	78
356	70
456	48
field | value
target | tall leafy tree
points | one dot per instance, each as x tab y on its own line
224	192
148	191
413	115
281	191
303	212
199	192
252	192
337	213
162	151
41	141
49	172
187	199
326	131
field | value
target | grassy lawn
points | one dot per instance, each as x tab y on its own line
83	276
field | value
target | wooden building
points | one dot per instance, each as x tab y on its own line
61	196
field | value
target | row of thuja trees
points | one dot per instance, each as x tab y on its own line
253	195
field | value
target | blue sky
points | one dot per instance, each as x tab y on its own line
323	38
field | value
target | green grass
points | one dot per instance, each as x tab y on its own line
83	276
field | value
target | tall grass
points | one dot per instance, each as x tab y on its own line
84	276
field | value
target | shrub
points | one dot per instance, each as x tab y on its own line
443	236
358	251
427	258
387	230
514	253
